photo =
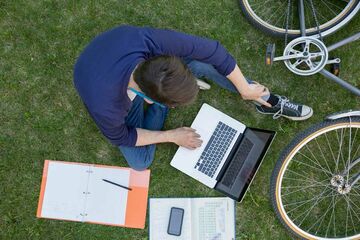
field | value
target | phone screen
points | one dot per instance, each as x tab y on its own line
175	221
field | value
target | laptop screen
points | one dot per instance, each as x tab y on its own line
260	141
251	167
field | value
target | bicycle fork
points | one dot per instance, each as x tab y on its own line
344	186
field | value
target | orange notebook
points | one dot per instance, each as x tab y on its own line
77	192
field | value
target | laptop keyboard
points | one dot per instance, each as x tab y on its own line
237	162
215	149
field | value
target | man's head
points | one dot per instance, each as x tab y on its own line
167	80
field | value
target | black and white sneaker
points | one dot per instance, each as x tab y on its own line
286	108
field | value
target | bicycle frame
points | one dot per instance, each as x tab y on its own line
341	43
356	180
344	179
351	165
336	79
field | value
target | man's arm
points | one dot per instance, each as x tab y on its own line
248	91
167	42
185	137
173	43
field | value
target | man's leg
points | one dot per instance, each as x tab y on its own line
281	106
135	117
204	70
140	158
135	156
155	117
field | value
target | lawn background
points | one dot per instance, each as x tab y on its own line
42	117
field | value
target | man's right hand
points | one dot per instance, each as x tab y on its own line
185	137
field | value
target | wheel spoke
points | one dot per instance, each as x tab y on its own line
353	142
340	141
357	151
314	160
351	209
307	181
301	189
316	54
347	215
279	15
349	199
332	152
302	175
327	5
349	157
318	200
308	197
301	202
297	63
321	218
328	226
307	46
322	154
318	169
352	221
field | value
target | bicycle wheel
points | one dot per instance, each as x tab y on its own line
310	183
271	16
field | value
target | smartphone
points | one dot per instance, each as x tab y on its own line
175	221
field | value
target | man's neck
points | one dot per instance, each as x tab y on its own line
132	83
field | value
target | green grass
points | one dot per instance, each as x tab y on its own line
42	116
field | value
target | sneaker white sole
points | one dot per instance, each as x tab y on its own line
291	118
202	85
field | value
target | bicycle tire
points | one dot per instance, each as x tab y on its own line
284	158
326	29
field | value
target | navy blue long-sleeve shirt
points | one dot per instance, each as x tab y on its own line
102	72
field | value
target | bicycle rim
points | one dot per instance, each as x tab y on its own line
270	16
306	200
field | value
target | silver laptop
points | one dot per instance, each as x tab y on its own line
230	154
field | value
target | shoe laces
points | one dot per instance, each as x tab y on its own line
284	102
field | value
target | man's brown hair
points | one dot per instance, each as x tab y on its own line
167	80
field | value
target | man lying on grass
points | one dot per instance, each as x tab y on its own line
127	66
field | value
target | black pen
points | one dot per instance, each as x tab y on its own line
117	184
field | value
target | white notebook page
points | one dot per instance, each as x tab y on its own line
214	219
64	196
106	203
159	218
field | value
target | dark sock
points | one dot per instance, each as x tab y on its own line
273	100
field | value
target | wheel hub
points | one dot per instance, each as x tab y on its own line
308	55
344	189
338	182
